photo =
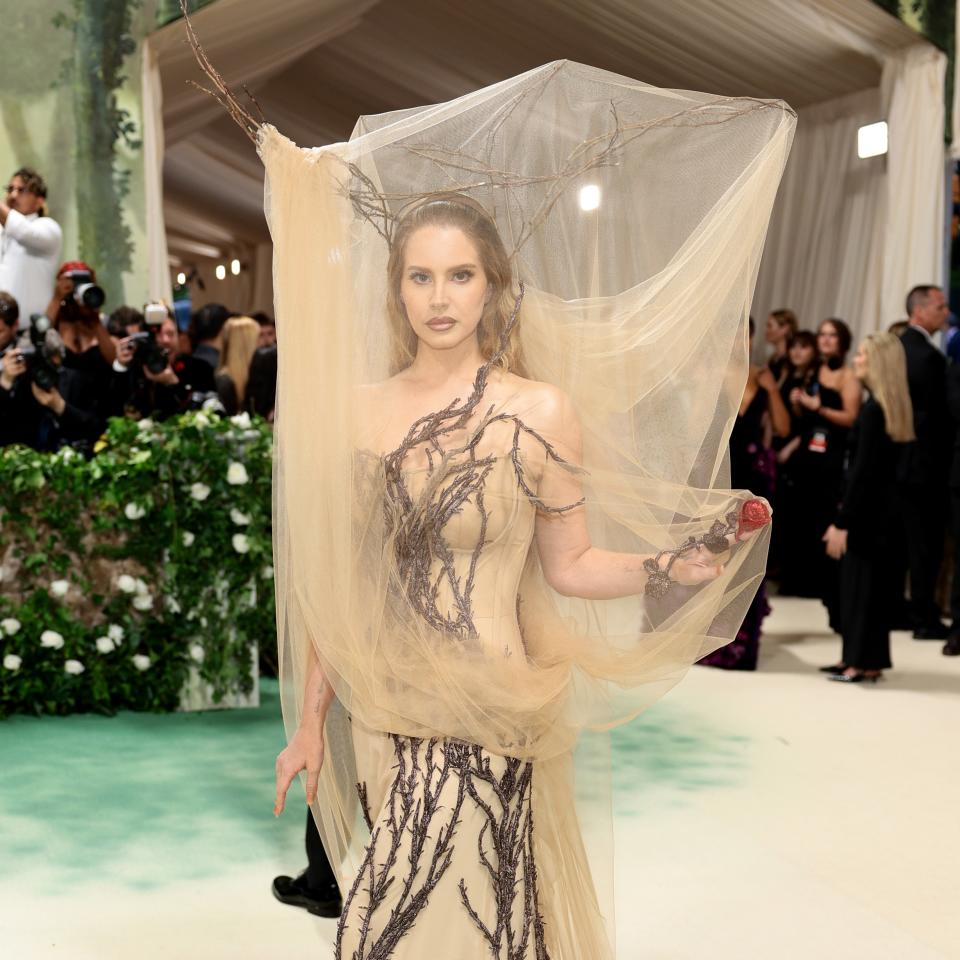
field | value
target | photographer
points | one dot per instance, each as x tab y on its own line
74	311
42	404
29	242
149	377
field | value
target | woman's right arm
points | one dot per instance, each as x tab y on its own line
305	749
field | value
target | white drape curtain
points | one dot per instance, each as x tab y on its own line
158	271
850	237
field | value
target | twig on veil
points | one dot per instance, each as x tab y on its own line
221	91
470	174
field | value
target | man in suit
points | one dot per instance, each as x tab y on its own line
926	461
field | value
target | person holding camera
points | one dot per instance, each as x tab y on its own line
149	377
30	243
74	310
43	404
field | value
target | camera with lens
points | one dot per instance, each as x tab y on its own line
43	354
147	352
85	291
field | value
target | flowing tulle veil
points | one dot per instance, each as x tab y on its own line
635	219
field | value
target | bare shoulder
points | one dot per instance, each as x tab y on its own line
543	406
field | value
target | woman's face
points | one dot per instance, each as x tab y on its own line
860	363
773	332
801	355
828	343
443	288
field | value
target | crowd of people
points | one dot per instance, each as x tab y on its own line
861	460
66	367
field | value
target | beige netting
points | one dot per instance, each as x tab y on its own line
416	565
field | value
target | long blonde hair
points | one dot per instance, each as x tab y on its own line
886	379
455	210
240	335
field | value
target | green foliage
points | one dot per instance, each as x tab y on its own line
164	537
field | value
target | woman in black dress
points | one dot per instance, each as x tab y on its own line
826	408
762	413
860	535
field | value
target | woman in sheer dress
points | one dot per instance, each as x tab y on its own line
469	856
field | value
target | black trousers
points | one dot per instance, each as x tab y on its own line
955	586
319	873
924	510
864	605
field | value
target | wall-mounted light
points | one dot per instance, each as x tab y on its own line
235	267
181	279
589	197
872	140
221	272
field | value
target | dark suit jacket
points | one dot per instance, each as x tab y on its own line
926	461
953	406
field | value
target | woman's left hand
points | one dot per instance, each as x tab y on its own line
810	402
700	566
836	541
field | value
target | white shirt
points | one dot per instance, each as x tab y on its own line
29	257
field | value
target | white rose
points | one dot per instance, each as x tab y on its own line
241	420
267	572
11	662
240	543
139	586
199	491
236	473
59	588
141	662
196	652
126	583
51	639
187	537
239	518
143	601
115	632
145	424
201	419
74	667
105	645
172	604
134	511
10	626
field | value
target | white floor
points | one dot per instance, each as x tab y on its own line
836	836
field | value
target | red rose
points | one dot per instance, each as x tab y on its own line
754	514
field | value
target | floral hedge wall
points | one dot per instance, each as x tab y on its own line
120	573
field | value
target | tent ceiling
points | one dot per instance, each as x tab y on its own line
315	65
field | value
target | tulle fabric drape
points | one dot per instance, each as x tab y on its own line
636	218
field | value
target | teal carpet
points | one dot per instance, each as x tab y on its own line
145	799
152	799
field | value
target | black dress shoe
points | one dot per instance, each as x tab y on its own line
294	890
834	668
952	647
935	631
854	678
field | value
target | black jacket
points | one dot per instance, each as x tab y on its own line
869	481
26	421
925	462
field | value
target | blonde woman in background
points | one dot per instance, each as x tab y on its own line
859	536
240	335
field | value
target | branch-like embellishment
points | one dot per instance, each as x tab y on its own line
221	91
736	525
